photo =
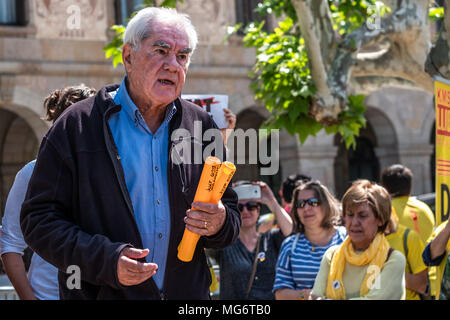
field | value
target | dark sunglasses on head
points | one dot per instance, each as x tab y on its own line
251	205
313	202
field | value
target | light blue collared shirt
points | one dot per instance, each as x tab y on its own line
144	158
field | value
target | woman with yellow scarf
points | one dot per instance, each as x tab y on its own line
363	266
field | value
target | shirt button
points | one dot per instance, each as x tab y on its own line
156	169
256	278
160	235
158	201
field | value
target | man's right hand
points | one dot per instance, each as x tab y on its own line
131	272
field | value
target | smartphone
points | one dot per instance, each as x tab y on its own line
248	191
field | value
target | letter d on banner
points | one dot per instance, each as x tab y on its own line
445	201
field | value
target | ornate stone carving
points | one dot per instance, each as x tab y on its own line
210	18
73	19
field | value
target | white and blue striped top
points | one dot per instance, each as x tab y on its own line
298	269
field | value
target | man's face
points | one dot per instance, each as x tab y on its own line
157	70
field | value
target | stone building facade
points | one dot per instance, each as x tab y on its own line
56	43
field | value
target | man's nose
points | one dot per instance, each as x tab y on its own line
171	64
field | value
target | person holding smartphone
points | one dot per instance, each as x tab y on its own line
247	268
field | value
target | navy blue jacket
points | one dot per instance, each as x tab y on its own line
77	210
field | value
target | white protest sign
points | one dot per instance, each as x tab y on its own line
213	104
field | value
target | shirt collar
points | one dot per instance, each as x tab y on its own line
122	97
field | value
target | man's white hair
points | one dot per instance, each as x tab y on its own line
140	26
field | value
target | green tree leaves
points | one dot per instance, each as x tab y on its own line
349	15
281	74
114	48
435	12
281	77
351	120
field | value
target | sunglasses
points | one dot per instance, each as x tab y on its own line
313	202
251	205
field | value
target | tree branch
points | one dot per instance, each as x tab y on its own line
394	65
438	61
315	23
406	28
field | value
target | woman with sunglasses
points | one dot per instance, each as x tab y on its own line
247	268
316	214
363	267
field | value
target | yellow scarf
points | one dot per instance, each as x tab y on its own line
375	255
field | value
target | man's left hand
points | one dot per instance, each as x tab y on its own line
206	219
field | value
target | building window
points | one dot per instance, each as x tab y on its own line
124	9
245	13
362	161
12	12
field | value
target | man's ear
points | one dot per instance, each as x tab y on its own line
126	56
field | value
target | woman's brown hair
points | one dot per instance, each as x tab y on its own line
377	197
59	100
329	204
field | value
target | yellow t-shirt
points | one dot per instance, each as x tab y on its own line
389	285
435	282
415	215
414	261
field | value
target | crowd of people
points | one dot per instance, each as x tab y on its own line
105	195
358	248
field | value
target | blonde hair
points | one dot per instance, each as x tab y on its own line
377	197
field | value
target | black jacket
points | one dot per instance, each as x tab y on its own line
77	210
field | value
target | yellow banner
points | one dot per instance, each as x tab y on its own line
442	101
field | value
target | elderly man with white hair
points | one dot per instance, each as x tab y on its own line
107	203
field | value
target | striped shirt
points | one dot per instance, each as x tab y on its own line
298	269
